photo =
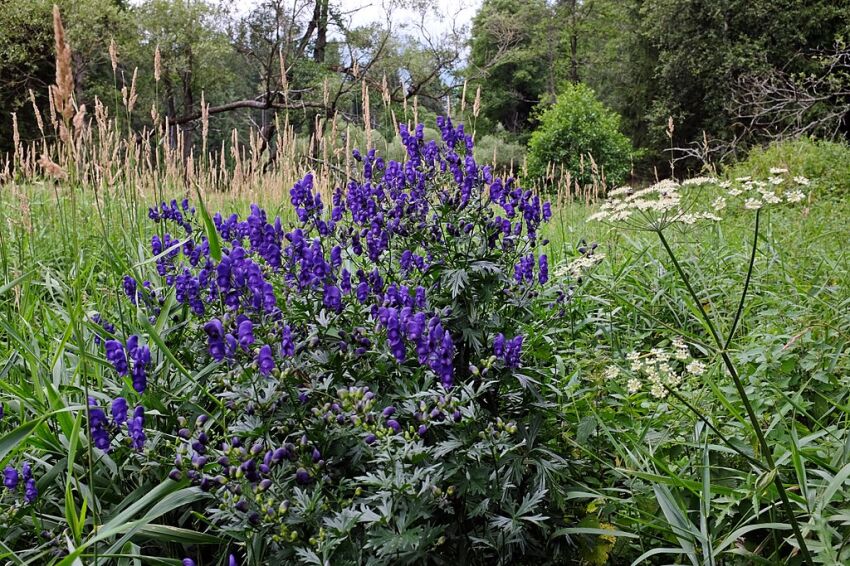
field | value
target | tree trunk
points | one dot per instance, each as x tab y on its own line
320	14
188	103
574	78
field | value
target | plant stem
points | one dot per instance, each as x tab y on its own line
746	283
739	386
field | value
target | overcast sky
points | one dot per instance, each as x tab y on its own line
439	19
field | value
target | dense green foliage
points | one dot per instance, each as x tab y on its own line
653	59
577	131
573	456
408	356
828	163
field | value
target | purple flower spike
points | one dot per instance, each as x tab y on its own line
10	478
119	411
265	361
245	333
116	356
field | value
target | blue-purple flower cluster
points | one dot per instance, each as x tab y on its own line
103	323
12	480
102	429
377	288
343	258
509	351
180	215
139	354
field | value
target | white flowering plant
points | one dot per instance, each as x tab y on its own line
661	371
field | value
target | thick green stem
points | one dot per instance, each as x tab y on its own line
739	386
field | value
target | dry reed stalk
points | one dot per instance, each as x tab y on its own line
385	91
113	56
367	118
395	122
80	119
64	88
205	126
52	107
157	64
463	99
38	119
16	138
476	105
348	151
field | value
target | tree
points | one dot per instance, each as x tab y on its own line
703	48
27	58
509	60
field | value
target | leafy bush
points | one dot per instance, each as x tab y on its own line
372	384
578	126
826	163
508	156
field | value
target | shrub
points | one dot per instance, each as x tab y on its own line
578	126
508	156
826	163
370	384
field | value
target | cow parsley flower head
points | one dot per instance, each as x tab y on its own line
662	369
655	207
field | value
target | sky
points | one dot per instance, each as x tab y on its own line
439	19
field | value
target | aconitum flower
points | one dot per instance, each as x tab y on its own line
265	361
188	562
135	428
302	476
363	292
332	298
287	344
215	339
10	478
245	333
119	410
130	288
231	561
116	356
141	359
98	427
499	345
394	425
543	265
406	261
30	489
513	351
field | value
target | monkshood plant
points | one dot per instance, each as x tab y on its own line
367	385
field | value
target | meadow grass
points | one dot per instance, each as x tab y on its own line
665	471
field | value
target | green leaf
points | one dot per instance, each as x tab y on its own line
212	233
11	440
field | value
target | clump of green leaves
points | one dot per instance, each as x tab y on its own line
579	127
